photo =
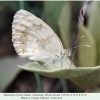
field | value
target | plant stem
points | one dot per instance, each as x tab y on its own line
39	83
21	4
65	88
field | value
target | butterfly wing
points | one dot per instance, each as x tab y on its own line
33	38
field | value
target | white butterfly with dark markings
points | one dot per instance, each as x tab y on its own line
34	39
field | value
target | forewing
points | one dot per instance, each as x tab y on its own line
33	38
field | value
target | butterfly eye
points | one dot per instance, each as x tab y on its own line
68	52
60	53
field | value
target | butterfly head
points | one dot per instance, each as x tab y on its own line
62	55
68	52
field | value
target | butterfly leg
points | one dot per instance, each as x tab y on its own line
70	63
73	67
61	64
46	63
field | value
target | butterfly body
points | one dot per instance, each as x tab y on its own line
34	39
63	55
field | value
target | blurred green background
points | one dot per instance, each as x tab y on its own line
62	17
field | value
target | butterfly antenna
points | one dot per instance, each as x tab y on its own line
80	46
76	41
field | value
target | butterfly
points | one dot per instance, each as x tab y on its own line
34	39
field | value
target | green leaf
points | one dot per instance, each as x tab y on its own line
84	76
64	22
51	13
94	25
94	21
87	55
9	70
